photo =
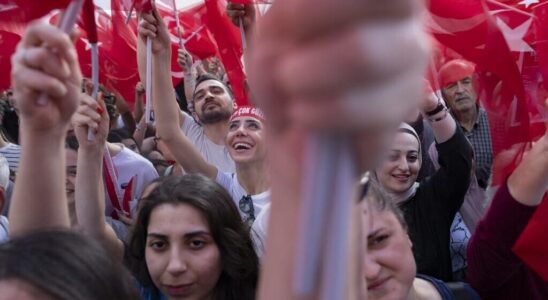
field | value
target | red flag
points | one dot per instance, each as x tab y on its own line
24	11
496	38
88	16
229	44
137	5
532	246
8	43
195	35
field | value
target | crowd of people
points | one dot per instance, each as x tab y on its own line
204	201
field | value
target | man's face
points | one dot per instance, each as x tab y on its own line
461	95
212	102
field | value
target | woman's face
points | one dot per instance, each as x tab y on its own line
389	266
245	140
399	171
182	257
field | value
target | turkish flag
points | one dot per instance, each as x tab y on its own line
138	5
532	246
498	39
195	35
229	44
8	43
24	11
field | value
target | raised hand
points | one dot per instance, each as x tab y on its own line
91	115
244	12
46	78
184	59
151	25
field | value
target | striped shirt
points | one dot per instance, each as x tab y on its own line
11	152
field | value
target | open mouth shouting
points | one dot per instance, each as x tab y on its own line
242	146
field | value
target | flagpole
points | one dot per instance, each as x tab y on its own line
242	33
148	96
178	23
94	79
324	222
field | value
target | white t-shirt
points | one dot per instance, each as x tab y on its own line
261	207
230	182
259	229
214	154
129	164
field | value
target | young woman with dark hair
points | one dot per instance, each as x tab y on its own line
190	241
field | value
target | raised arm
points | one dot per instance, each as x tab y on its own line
492	265
184	59
46	83
351	66
89	190
529	182
451	181
165	105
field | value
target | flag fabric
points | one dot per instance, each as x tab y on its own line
508	42
532	245
498	39
24	11
138	5
229	44
8	43
88	21
195	35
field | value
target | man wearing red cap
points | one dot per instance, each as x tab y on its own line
457	83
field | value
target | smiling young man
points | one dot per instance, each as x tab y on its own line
457	82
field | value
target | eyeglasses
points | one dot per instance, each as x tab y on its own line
246	206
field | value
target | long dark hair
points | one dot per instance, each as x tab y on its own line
239	262
65	265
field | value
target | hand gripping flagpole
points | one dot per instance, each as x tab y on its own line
67	23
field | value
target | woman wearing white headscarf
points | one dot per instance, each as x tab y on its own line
429	206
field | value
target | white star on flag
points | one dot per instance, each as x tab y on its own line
528	2
514	37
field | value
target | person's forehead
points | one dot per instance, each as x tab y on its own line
381	219
209	83
245	119
405	140
171	218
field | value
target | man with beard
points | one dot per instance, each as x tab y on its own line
211	105
457	82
